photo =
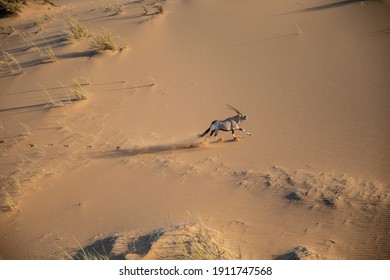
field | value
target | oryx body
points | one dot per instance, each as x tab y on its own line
229	124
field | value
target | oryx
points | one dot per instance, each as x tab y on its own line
230	124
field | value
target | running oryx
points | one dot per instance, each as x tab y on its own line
230	124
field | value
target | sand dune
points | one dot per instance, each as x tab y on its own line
99	149
192	240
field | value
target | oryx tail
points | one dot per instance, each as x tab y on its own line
207	130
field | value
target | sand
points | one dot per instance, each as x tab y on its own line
102	148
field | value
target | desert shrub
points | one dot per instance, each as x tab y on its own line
74	30
203	244
10	7
103	41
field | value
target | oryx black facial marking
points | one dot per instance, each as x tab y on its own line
229	124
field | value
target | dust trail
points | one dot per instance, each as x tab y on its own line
152	149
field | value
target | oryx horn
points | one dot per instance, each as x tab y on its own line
232	108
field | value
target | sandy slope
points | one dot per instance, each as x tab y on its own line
312	76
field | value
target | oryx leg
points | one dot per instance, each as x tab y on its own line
234	136
208	137
247	132
215	133
216	137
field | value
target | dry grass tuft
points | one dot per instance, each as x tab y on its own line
42	19
77	91
6	201
27	129
203	244
159	7
52	103
10	188
146	11
103	41
74	30
7	30
113	6
13	66
84	254
11	7
48	55
154	10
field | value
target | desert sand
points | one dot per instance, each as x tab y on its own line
99	149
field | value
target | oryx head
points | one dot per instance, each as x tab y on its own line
241	115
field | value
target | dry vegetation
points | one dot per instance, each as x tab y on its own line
190	241
104	40
203	244
9	65
48	55
85	255
159	7
41	20
113	6
11	7
6	201
74	30
10	188
76	90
